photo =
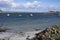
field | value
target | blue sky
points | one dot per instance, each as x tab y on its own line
30	5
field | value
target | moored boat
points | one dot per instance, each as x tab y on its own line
8	14
31	14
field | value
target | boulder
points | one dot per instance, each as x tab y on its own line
50	33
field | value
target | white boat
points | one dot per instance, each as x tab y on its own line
31	14
20	15
8	14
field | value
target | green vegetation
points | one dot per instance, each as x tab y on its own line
0	11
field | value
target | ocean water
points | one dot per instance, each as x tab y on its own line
18	22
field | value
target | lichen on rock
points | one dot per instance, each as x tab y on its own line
50	33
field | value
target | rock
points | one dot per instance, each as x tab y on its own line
3	30
51	33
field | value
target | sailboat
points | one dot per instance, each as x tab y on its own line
8	14
31	14
20	15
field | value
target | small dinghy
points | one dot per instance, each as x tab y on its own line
8	14
20	15
31	14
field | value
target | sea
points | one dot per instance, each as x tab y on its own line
24	22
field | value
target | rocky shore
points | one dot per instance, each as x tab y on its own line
3	29
50	33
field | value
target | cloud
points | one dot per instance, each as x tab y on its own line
31	4
25	6
52	7
7	3
6	0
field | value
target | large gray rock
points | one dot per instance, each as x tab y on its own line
51	33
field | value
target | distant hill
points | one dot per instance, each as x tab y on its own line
1	11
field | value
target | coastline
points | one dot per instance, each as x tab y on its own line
35	24
50	33
17	36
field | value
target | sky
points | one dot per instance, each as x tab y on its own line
30	5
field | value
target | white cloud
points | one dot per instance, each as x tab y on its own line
13	4
10	3
35	5
31	4
7	0
52	7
